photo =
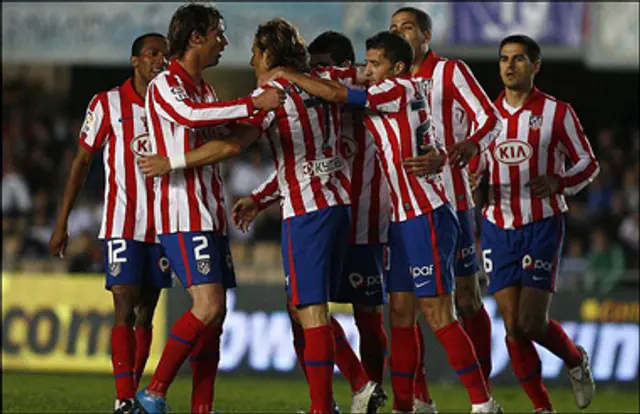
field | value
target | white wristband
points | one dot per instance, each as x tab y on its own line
177	162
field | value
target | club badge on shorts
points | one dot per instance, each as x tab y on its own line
204	266
115	269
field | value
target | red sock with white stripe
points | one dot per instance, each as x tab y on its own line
319	352
122	356
346	359
373	344
204	360
464	361
298	345
143	348
527	368
478	327
557	341
183	337
404	358
420	386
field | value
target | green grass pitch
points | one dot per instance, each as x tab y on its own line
78	393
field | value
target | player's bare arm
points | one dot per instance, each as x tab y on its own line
329	90
76	177
213	151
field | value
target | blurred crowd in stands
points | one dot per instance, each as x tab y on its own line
39	139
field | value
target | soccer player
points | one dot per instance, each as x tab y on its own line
362	281
182	114
136	265
424	228
523	225
314	186
465	118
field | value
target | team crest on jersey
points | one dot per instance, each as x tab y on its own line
204	266
179	93
115	269
535	122
350	147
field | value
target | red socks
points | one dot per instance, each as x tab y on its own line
420	387
462	358
557	341
183	337
404	358
143	347
319	353
346	359
478	327
528	370
373	344
122	356
204	360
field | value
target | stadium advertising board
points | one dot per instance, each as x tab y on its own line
550	23
63	323
257	336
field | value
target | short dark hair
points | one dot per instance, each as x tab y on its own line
187	19
422	17
138	44
531	47
285	45
337	45
395	47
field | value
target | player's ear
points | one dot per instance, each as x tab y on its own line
427	36
537	65
135	62
399	68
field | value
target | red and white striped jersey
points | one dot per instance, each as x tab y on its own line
460	110
182	117
537	140
305	142
400	127
115	119
369	191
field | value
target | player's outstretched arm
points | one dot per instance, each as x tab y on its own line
172	102
241	137
329	90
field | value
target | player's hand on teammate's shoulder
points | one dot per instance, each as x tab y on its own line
58	242
243	213
154	165
269	100
271	74
545	186
430	163
461	153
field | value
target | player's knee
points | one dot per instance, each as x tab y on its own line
531	326
124	302
401	312
144	314
210	312
467	303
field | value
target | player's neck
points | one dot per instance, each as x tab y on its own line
419	60
517	97
140	86
192	66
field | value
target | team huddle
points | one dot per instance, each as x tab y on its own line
375	168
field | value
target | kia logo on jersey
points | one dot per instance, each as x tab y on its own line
513	152
141	145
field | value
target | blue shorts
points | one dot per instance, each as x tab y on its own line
313	250
527	256
199	258
466	259
362	281
131	262
422	253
